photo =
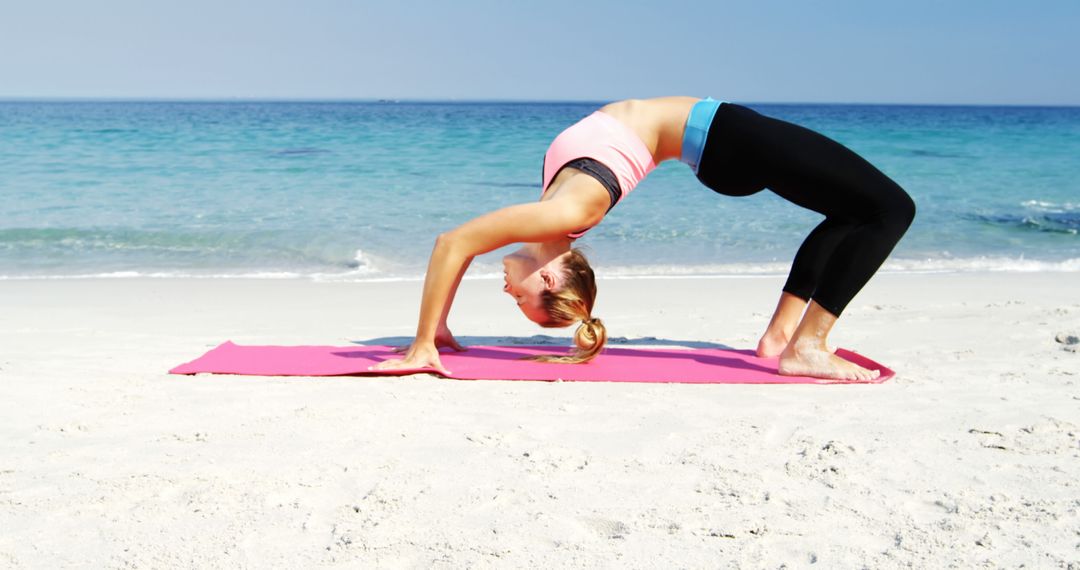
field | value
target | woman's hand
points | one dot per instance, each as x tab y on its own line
419	355
443	337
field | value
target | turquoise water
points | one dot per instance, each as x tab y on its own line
360	190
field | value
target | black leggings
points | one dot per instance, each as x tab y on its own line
866	213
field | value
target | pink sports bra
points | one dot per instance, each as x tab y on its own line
603	138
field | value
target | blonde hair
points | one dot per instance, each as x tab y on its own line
574	302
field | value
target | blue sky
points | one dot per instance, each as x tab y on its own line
915	51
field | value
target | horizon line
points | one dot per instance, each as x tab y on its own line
409	100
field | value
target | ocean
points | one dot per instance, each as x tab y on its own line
359	190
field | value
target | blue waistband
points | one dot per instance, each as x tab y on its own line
697	129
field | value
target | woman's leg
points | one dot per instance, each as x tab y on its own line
801	284
789	311
866	214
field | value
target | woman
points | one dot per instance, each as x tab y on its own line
733	150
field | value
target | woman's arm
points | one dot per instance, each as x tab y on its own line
443	336
455	249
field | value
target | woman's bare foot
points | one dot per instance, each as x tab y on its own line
805	359
808	352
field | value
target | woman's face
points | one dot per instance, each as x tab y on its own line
525	279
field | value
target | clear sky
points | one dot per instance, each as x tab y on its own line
909	51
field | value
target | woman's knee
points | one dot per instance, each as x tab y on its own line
902	211
893	207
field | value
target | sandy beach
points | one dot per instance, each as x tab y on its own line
970	457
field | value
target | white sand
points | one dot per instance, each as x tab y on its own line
969	458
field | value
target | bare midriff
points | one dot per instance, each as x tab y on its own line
659	122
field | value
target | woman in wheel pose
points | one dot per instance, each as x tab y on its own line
733	150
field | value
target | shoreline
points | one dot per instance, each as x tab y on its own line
975	265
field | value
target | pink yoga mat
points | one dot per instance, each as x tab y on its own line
614	364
